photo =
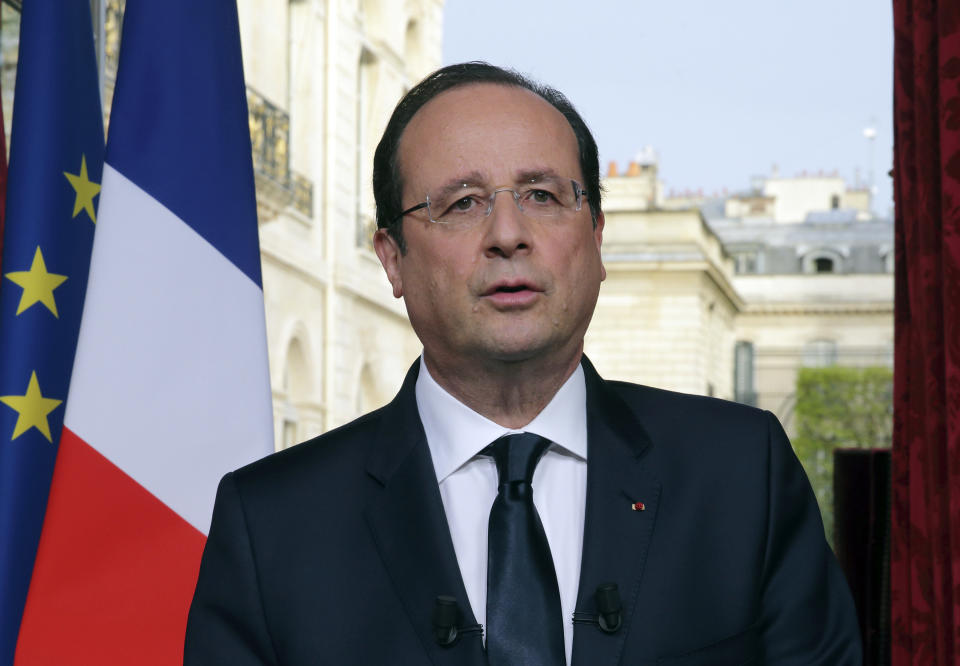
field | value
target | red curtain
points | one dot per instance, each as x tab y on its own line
3	185
925	548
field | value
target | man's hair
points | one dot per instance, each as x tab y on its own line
387	180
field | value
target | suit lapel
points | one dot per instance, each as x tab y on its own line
408	523
616	537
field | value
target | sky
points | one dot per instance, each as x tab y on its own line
723	91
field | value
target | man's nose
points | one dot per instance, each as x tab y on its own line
507	230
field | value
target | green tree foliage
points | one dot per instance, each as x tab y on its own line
840	407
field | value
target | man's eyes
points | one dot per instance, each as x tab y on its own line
540	196
464	204
476	202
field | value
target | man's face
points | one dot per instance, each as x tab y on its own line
511	287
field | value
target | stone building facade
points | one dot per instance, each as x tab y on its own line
666	312
731	295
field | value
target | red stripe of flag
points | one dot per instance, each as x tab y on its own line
113	562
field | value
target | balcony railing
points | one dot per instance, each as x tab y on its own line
270	139
278	186
302	193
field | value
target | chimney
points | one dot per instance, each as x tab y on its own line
633	169
612	170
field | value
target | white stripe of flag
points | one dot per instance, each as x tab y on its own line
170	381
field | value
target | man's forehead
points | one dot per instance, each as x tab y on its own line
486	109
456	102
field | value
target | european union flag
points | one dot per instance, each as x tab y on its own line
56	159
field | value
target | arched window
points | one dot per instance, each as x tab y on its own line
822	260
296	389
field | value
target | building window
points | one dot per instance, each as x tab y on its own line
819	354
369	397
743	387
295	391
289	434
745	262
822	260
835	202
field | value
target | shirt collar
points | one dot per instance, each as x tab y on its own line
455	433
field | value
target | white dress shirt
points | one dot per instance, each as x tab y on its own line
468	483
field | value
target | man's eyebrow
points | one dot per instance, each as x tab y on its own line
528	175
473	178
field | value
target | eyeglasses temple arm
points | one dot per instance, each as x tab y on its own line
412	209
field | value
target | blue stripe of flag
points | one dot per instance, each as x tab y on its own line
57	125
183	134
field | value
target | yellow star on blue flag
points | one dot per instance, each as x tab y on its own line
38	284
86	190
32	409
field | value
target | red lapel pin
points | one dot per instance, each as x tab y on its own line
638	506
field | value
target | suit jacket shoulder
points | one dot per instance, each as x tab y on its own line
735	565
332	551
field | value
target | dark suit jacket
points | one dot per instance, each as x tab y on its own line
333	551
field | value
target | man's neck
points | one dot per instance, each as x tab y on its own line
509	393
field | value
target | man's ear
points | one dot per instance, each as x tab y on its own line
390	258
598	239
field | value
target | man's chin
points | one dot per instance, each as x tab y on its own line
515	351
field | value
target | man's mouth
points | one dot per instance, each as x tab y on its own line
512	294
509	287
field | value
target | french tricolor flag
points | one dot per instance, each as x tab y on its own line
170	386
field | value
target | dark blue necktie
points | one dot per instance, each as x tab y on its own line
524	619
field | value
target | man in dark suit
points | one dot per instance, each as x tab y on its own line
510	506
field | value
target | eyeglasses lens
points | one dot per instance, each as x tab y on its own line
546	197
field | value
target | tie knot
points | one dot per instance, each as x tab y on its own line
517	456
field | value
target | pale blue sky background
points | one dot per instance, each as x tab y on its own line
721	90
